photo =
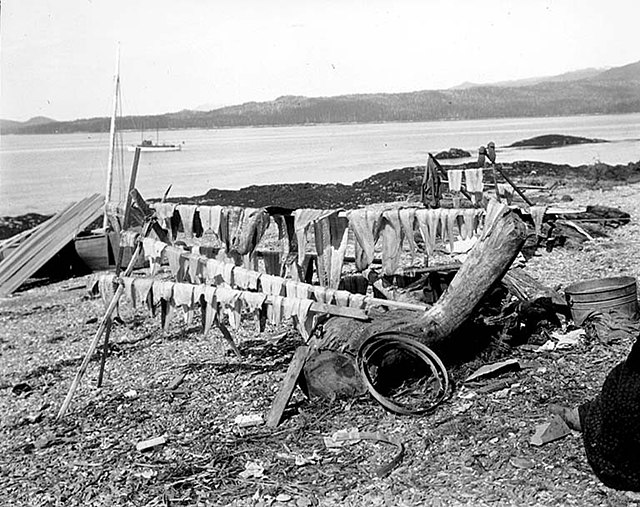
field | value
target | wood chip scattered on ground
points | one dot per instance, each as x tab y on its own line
475	449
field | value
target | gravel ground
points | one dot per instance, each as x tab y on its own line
617	255
473	450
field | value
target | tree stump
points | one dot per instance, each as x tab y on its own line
331	370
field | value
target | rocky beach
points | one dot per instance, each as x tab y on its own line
472	450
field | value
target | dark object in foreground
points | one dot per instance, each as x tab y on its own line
611	426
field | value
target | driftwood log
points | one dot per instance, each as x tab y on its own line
527	288
331	370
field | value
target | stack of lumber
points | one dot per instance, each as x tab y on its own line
11	243
48	240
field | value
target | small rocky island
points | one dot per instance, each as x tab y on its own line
554	141
452	153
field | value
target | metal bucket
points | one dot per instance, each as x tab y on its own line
620	293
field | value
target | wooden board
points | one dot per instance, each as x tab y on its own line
342	311
287	387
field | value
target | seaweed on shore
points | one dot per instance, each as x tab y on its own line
388	186
400	184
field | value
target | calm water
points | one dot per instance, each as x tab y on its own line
43	173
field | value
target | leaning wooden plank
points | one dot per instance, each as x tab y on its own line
60	220
15	264
287	387
33	255
13	260
34	244
16	239
32	252
46	242
573	225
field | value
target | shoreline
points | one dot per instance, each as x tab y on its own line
386	186
314	124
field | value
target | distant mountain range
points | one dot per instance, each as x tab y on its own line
567	76
6	125
590	91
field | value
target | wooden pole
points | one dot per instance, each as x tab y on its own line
444	173
105	349
495	181
94	343
112	139
92	348
226	334
491	155
149	215
525	187
125	225
127	206
390	303
515	187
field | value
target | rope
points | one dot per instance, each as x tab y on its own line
394	340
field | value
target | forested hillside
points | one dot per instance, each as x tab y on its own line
616	90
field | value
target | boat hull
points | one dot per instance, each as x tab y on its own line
95	251
160	148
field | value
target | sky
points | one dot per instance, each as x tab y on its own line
57	57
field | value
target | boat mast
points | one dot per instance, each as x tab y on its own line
112	138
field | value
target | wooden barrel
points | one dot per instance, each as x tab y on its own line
620	293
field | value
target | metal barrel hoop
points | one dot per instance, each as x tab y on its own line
388	340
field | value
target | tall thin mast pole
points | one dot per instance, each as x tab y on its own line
112	138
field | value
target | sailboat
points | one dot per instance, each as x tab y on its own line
98	248
149	146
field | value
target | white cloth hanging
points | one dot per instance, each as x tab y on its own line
474	177
455	179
